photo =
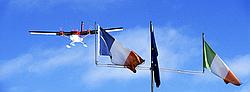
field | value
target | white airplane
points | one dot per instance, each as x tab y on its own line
74	35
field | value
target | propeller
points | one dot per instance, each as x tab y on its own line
60	28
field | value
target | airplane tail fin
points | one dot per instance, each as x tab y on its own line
82	26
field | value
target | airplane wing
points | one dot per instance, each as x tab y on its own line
42	32
60	33
48	32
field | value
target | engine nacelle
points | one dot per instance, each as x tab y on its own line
61	33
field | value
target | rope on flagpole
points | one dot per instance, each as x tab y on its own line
182	71
111	65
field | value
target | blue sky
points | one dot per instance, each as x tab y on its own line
43	64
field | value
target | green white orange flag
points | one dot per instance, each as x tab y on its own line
215	64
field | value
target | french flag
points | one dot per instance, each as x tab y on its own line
118	54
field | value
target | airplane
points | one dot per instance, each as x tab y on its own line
74	35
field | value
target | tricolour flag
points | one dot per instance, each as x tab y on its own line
214	63
119	55
154	60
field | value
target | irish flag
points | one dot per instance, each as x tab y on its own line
215	64
118	54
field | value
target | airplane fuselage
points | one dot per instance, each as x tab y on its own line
75	38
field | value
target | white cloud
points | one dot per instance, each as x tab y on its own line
240	65
175	49
245	88
14	66
53	59
41	61
100	75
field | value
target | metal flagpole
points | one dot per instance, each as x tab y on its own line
203	52
151	68
96	31
152	79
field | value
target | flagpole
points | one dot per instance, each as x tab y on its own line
151	68
152	80
203	53
96	31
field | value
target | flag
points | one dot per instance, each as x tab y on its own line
118	54
215	64
154	61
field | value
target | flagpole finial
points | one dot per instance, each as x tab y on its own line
150	23
203	70
203	35
151	26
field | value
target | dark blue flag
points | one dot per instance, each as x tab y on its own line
154	61
106	41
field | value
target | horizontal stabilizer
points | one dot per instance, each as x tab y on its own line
114	29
